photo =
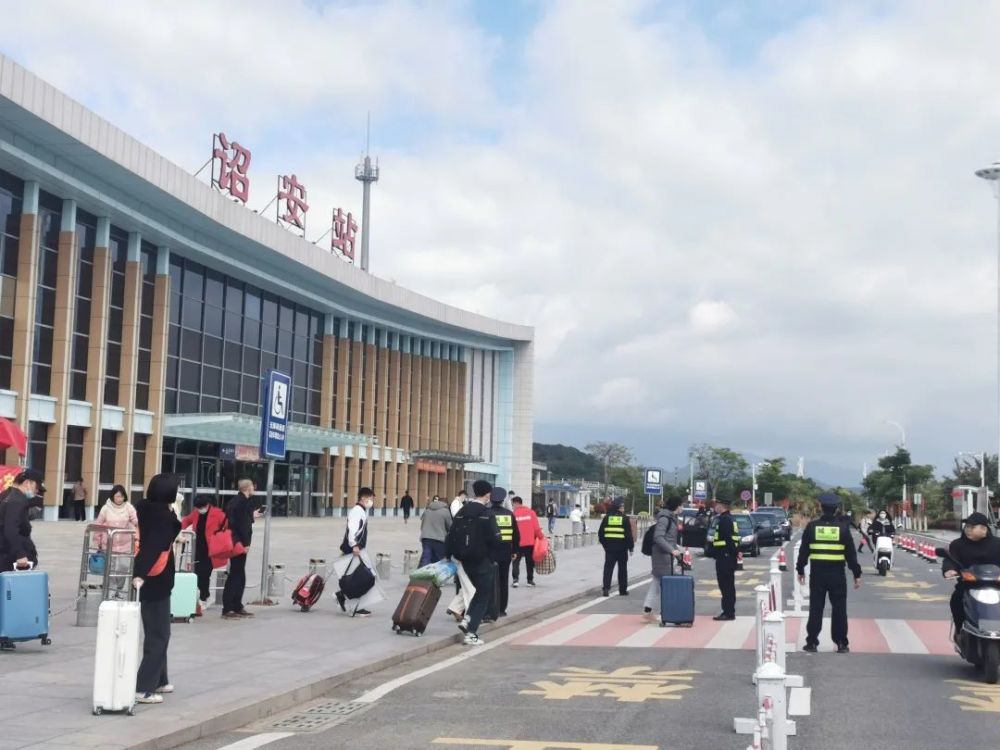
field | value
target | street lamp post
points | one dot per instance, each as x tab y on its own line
753	482
992	174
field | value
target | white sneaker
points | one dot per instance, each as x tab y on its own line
163	689
205	605
471	639
464	626
514	584
148	698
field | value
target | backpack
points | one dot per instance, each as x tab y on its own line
466	539
647	538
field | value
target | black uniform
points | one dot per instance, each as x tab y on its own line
827	545
15	528
881	528
510	540
615	535
968	553
725	549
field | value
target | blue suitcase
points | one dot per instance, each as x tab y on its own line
677	599
24	607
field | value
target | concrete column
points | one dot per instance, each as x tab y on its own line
416	394
436	400
457	407
462	378
327	382
392	399
357	352
423	487
100	296
405	395
370	385
337	482
62	352
343	369
24	309
425	403
378	482
446	407
383	409
353	475
158	360
125	442
392	489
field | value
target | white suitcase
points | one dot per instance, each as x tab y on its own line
116	661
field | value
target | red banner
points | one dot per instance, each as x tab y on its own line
432	467
7	474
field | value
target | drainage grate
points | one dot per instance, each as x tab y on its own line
318	717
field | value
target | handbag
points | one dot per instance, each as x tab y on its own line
221	545
96	563
541	549
547	565
160	565
354	584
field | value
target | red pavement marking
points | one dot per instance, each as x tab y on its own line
866	637
611	633
935	635
793	626
697	636
540	631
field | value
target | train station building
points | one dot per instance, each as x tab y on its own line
141	307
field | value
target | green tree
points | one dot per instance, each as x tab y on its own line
722	467
611	456
771	477
884	486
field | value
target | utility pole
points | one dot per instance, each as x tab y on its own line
366	173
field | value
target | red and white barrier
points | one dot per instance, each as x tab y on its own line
800	591
782	559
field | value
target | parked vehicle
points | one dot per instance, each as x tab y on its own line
781	517
749	541
692	528
768	528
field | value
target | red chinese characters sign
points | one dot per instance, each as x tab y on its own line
345	230
292	201
234	165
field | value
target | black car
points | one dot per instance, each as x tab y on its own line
781	518
769	531
749	542
693	527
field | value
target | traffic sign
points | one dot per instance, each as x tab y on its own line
918	498
700	489
653	484
746	495
274	419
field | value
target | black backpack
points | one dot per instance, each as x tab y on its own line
466	538
647	538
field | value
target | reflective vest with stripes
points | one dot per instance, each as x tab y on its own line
827	545
615	528
506	524
720	541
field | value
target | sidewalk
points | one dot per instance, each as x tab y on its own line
229	673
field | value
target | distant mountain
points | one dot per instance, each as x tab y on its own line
567	462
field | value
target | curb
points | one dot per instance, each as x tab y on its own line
231	719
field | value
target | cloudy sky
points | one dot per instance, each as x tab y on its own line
753	224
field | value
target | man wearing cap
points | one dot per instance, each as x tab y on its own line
725	548
615	535
16	547
510	542
976	546
827	546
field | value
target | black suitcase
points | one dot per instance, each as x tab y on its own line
416	607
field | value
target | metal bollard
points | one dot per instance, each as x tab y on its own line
220	585
88	602
411	560
276	580
556	542
383	565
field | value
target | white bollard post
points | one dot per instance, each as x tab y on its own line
771	684
776	587
763	596
800	592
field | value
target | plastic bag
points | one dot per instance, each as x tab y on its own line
440	572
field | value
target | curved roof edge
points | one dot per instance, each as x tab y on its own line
81	138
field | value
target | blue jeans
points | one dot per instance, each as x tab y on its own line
552	525
433	551
482	578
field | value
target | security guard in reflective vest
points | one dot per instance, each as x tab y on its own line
725	548
511	540
615	535
827	545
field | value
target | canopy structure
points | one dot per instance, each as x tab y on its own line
12	436
446	457
242	429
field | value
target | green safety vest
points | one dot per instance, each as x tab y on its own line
615	528
506	524
736	536
827	545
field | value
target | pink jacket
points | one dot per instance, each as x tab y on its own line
117	517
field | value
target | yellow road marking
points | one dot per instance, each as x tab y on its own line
625	685
913	596
919	585
984	698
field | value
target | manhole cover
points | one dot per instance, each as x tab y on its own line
317	717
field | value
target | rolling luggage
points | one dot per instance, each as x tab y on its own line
677	599
116	661
308	591
184	597
24	607
416	607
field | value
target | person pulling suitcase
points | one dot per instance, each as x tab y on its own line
665	552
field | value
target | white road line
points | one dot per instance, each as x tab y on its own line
900	637
732	635
574	629
258	740
387	687
825	644
646	637
800	701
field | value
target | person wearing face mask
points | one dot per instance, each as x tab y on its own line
354	543
118	513
23	497
881	526
207	521
976	546
241	517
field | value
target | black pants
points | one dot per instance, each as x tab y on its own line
958	607
433	551
156	624
725	576
498	603
406	515
611	559
236	583
529	563
482	579
79	510
823	583
203	569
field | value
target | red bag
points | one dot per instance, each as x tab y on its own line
541	549
222	547
160	565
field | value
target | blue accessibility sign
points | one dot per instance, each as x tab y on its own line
274	415
654	485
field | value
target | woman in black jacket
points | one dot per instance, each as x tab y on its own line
158	528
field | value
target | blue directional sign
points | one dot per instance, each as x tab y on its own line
274	415
700	489
653	484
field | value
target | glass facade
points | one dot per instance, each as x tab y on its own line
86	240
118	255
49	217
147	269
11	190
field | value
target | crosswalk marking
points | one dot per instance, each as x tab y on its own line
870	636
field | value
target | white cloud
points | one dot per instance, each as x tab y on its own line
780	254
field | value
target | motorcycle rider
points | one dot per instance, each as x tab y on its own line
976	546
881	526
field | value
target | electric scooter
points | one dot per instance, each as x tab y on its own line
883	554
979	640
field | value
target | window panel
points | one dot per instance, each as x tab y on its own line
194	282
187	403
231	385
233	356
213	320
172	364
191	345
190	375
213	351
211	381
